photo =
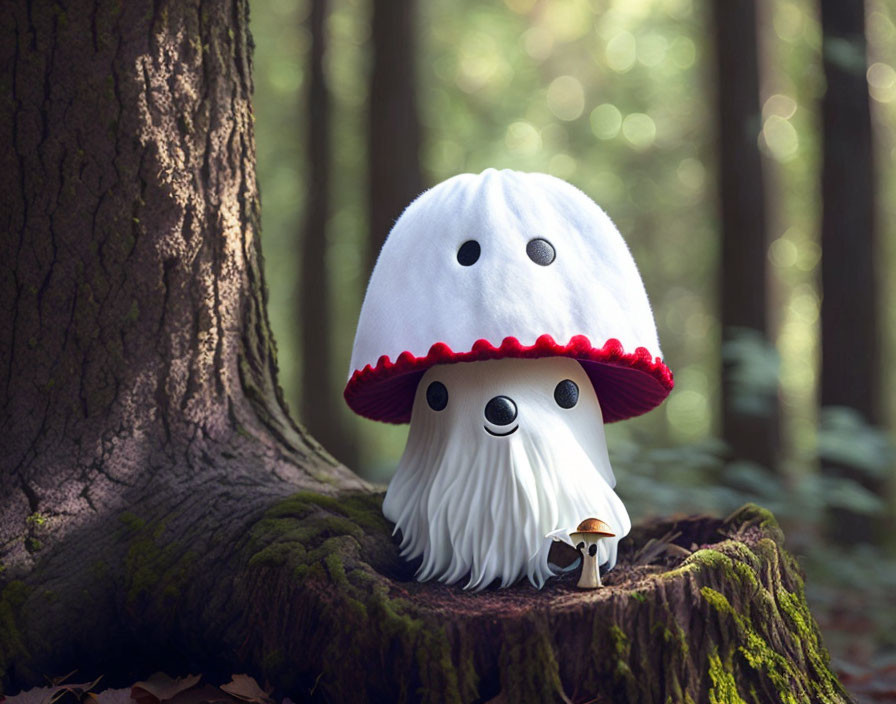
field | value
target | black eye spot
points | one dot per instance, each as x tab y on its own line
593	549
468	254
566	393
541	251
580	546
437	396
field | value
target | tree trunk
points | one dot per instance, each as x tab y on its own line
394	127
318	402
850	332
749	409
139	368
149	518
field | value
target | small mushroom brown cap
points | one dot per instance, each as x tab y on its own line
595	525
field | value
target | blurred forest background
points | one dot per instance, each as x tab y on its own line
746	152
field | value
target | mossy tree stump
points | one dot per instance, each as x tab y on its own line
315	599
726	622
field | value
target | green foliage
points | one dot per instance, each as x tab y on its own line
844	438
754	367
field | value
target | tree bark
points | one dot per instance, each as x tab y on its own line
148	514
140	372
851	340
749	413
394	127
318	401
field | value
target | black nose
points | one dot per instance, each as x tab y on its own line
500	410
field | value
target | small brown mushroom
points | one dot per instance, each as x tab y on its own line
585	538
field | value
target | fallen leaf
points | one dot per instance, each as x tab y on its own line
246	688
55	681
38	695
161	688
80	691
114	696
205	694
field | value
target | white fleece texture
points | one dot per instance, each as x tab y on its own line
478	506
419	294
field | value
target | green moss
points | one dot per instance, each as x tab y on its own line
724	686
154	567
786	675
751	514
620	642
528	664
36	519
795	607
131	522
320	539
676	637
292	554
710	558
336	569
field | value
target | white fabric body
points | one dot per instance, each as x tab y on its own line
419	294
474	504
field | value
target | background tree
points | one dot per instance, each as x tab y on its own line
749	397
851	339
318	402
393	142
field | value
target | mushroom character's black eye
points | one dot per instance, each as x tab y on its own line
468	254
580	546
566	393
437	396
541	251
592	550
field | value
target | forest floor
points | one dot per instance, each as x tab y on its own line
867	671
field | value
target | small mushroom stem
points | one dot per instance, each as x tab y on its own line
590	577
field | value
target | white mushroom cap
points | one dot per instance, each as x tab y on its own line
423	306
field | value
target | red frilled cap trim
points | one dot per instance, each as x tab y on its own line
627	384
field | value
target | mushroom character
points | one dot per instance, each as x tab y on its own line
505	319
500	453
586	539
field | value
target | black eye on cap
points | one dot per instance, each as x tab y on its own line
468	254
541	251
566	393
437	396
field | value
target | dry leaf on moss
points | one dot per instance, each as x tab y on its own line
161	688
246	688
